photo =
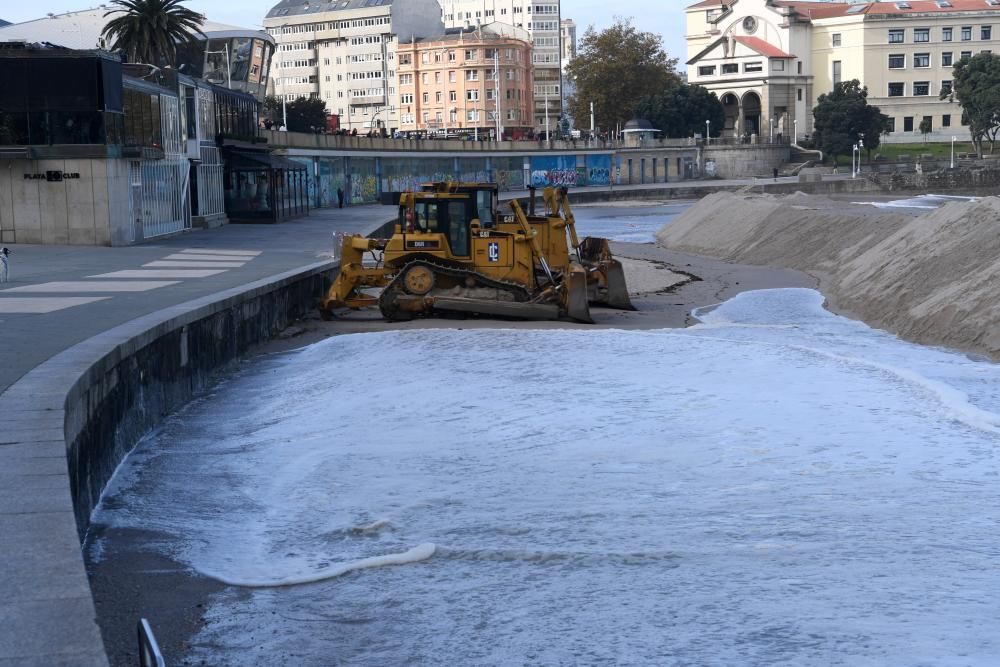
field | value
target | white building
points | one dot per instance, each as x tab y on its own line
770	60
344	53
541	18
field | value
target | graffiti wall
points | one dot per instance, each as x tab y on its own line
557	170
508	172
598	170
472	170
363	180
408	173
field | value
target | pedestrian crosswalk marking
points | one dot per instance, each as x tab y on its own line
193	265
44	304
95	286
208	258
161	273
249	254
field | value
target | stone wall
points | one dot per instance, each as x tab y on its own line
744	161
974	179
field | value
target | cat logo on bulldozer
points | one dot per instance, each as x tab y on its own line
494	252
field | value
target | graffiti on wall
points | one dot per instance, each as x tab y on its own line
598	170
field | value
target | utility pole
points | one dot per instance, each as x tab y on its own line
548	133
496	88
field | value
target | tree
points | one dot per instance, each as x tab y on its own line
681	111
843	117
273	108
926	127
306	114
148	31
976	87
614	69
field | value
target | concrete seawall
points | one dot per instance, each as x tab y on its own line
78	415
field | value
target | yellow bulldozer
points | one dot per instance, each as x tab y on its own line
453	251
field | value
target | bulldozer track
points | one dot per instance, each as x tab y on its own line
386	301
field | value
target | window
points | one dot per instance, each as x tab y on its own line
800	66
800	94
946	59
946	120
452	96
778	66
921	35
753	67
836	72
945	34
908	124
891	126
897	36
921	60
472	75
966	33
966	54
836	39
897	61
946	87
730	68
471	54
986	32
928	121
921	88
472	95
896	89
708	70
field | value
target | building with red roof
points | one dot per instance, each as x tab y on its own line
770	60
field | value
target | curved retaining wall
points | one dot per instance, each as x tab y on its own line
76	416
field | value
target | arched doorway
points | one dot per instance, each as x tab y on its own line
731	105
751	114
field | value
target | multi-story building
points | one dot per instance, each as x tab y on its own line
541	18
770	60
567	30
344	53
471	82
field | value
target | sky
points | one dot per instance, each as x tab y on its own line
664	17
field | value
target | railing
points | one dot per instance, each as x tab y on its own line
149	650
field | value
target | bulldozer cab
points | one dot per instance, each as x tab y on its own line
448	217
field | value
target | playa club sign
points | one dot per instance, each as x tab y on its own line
52	176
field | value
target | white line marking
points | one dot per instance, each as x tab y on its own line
208	258
194	265
95	286
40	305
160	273
235	253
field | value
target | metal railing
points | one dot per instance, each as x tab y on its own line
149	650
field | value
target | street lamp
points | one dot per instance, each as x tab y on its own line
953	152
795	131
708	131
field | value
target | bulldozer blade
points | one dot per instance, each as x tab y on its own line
617	295
575	299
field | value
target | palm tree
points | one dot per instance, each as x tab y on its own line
148	31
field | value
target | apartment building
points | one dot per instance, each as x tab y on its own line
476	83
344	52
541	18
770	60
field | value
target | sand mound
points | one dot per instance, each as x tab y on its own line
931	279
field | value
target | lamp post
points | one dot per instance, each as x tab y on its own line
854	169
770	129
708	131
795	131
953	152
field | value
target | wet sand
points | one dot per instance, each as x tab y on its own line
132	581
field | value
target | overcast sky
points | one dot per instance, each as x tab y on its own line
665	17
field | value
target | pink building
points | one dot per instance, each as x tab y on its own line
471	83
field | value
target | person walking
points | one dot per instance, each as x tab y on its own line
340	197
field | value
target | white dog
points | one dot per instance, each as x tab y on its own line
4	265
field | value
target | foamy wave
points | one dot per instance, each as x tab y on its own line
415	555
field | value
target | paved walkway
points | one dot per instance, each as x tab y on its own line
59	296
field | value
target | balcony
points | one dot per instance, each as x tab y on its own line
368	100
